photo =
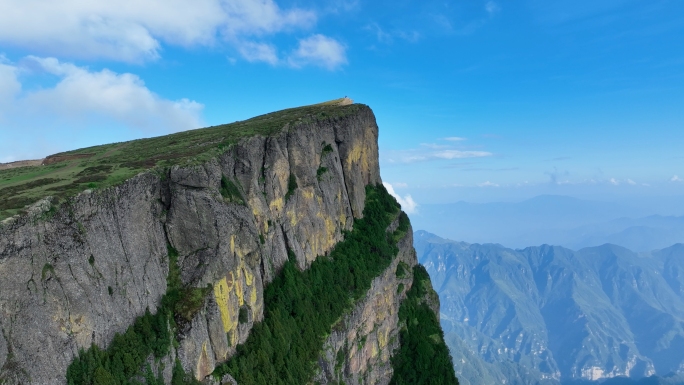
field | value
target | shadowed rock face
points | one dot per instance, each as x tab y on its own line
77	276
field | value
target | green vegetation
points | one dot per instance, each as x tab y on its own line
291	186
403	227
423	357
402	269
47	268
231	192
150	335
319	173
242	315
68	173
341	357
191	301
179	377
301	307
327	149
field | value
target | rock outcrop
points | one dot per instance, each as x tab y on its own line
77	274
361	345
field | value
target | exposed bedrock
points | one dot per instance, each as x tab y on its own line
75	276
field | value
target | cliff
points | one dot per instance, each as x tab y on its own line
211	228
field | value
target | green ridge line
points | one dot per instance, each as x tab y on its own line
66	174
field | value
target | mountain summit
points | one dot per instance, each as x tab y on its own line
259	252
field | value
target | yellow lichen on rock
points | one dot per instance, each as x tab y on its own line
308	193
358	155
343	219
292	215
383	337
203	367
222	295
255	203
374	350
253	298
238	288
249	277
277	204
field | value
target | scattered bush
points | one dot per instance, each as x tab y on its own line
231	192
291	186
47	268
243	316
402	269
326	150
319	173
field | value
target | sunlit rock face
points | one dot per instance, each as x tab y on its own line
78	276
361	345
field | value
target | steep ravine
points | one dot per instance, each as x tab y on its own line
74	275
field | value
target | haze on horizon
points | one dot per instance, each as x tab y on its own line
480	101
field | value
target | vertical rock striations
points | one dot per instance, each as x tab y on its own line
359	349
74	275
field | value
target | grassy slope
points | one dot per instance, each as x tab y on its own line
111	164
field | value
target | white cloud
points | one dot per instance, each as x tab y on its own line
388	37
9	84
614	181
457	154
400	185
676	179
434	146
122	98
431	153
488	184
631	182
407	203
254	52
319	50
491	7
134	30
380	34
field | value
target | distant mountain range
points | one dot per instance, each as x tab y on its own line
558	220
548	315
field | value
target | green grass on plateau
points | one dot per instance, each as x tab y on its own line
110	164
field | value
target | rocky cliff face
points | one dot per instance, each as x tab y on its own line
77	274
360	347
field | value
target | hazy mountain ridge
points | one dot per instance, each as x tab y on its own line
548	314
558	220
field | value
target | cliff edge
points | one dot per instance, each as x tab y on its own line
78	269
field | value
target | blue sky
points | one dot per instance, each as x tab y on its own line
476	100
